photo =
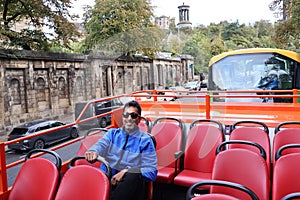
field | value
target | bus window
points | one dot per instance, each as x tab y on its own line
238	72
254	69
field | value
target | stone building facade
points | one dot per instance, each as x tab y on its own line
164	21
39	85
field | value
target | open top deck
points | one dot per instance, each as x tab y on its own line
166	103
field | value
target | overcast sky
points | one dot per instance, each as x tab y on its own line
205	12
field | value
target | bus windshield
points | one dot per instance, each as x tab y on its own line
251	71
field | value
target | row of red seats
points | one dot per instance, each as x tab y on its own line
40	179
205	158
276	172
200	150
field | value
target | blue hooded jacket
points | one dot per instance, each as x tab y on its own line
139	153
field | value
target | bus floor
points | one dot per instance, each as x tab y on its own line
170	191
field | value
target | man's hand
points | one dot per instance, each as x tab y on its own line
118	177
91	156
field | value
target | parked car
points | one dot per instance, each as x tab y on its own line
193	85
97	109
104	107
39	142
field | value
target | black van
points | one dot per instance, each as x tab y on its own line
97	109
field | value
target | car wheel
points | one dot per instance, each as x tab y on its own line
74	133
39	144
103	122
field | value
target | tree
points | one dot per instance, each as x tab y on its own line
122	26
287	30
281	8
198	45
263	28
41	24
231	29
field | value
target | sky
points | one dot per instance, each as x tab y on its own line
206	12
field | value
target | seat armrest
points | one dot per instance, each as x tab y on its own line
177	155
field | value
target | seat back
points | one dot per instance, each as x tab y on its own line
286	133
244	167
38	177
85	181
90	138
201	144
168	133
144	125
254	131
190	195
286	172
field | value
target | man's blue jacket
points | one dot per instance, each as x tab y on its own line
134	151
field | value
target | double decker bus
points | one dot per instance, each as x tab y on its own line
255	69
197	147
197	151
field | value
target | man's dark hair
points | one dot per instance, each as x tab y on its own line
135	104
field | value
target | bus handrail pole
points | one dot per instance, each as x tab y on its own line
295	93
207	106
3	183
154	95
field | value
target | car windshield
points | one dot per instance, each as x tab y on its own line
191	83
19	131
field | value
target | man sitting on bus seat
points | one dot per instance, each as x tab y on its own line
130	153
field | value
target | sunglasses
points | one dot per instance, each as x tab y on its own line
132	115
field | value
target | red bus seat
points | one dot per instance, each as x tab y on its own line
191	193
243	167
144	124
90	138
38	178
286	174
168	133
286	133
200	152
84	182
254	131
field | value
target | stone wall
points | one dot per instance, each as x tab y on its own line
38	85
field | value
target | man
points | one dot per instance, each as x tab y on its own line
130	153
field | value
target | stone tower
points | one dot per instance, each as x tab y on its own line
184	18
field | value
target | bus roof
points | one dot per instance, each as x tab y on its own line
293	55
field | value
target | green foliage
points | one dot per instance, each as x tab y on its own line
287	29
33	25
173	27
204	42
122	27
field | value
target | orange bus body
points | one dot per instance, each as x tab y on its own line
227	113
